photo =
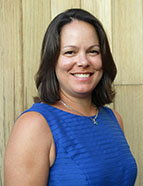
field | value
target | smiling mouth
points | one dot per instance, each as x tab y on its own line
82	75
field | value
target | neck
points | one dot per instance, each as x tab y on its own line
82	105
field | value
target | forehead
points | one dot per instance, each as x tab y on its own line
77	30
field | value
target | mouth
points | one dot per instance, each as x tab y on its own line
82	75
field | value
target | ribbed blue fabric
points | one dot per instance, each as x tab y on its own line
86	154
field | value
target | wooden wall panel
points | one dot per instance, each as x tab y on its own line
10	71
127	18
23	26
62	5
36	17
129	103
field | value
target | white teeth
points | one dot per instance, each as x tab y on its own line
82	75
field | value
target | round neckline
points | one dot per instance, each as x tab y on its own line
55	108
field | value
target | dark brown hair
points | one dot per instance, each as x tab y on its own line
46	80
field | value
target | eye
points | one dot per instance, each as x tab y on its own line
94	52
69	53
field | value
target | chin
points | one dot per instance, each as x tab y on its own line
83	93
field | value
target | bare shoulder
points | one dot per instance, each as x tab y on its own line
32	126
29	151
119	119
33	121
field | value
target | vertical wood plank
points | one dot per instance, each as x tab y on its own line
23	26
127	17
129	103
36	17
60	6
11	100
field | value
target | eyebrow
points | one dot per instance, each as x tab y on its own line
69	46
96	45
73	46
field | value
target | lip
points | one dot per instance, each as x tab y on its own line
82	75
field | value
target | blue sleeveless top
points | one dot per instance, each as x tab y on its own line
88	154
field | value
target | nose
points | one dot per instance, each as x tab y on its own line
82	60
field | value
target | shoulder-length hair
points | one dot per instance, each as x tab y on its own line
46	80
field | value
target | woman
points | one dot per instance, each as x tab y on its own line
70	138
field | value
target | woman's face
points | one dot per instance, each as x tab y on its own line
79	65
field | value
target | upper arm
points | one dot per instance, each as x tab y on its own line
27	154
119	119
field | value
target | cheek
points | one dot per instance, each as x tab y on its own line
64	64
98	65
97	62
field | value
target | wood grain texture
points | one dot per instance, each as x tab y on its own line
36	17
11	101
129	103
62	5
127	24
23	26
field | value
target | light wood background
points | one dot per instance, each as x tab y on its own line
23	23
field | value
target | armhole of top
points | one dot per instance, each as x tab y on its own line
110	111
